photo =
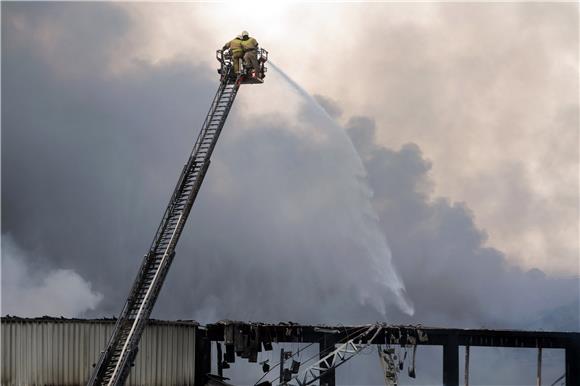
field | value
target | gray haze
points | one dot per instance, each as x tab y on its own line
89	159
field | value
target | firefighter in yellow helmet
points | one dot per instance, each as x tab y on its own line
235	46
250	47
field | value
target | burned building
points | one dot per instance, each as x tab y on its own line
59	351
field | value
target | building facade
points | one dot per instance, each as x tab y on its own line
53	351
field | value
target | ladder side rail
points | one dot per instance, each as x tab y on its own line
169	209
197	184
165	268
123	343
209	117
200	177
146	306
193	163
139	327
144	310
226	112
121	321
156	289
188	165
193	157
195	189
155	286
173	198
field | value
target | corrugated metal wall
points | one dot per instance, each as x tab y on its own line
61	352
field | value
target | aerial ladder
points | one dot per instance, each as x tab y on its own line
115	362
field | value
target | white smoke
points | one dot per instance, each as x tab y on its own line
289	191
29	291
366	221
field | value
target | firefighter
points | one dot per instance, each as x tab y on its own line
250	46
235	46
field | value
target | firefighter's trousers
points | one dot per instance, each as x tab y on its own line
250	57
236	56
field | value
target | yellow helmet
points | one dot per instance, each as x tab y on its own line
244	33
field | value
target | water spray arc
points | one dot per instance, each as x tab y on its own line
378	249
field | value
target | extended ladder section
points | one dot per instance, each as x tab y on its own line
115	362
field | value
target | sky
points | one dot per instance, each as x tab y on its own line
413	163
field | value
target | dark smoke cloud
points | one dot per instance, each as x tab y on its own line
450	274
88	158
90	166
87	171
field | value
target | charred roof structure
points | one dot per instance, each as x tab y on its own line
246	339
60	351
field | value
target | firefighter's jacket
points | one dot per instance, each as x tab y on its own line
249	44
235	45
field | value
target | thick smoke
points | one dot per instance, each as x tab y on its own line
452	277
87	171
285	207
35	291
450	273
496	85
89	159
284	214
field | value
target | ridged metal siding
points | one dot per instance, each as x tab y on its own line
43	352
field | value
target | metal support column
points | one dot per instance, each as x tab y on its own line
220	359
466	365
326	346
281	379
573	363
451	362
202	358
539	368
